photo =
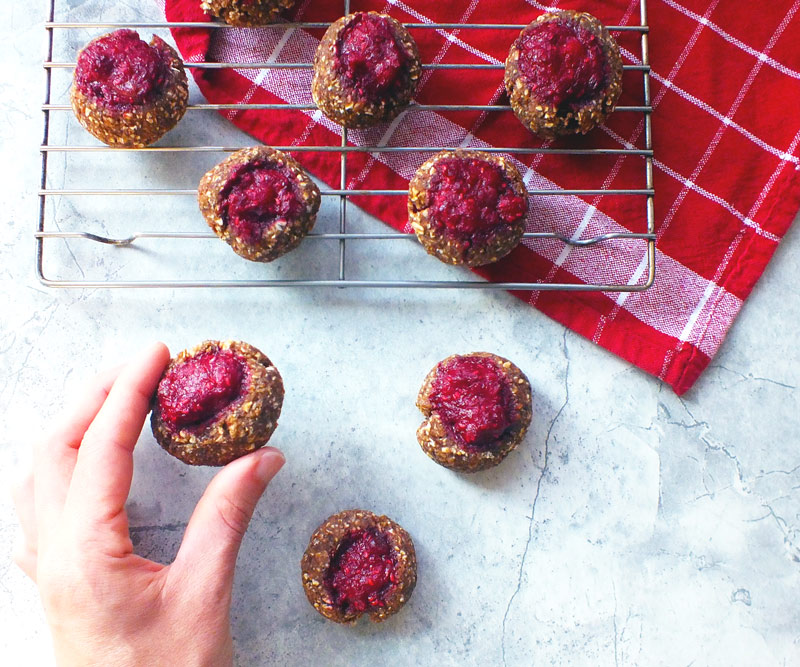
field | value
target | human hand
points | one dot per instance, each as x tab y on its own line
105	605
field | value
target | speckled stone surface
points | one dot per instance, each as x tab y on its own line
629	528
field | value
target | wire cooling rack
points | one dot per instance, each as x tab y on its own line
49	197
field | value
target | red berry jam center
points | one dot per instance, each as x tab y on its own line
471	199
473	398
362	571
259	195
198	389
564	64
122	71
370	56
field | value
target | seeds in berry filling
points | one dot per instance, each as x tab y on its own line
473	398
471	198
362	571
467	207
195	391
477	409
122	71
563	64
257	196
369	54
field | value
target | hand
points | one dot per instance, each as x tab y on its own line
105	605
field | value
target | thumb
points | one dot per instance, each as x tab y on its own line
218	524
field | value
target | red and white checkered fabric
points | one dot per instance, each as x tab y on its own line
726	90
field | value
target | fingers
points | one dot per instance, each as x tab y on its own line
26	559
215	531
22	494
25	554
103	471
55	454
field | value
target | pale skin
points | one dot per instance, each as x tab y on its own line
104	604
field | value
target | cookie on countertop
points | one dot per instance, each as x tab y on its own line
358	563
477	409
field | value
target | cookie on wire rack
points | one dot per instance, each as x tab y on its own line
246	13
563	74
260	201
468	207
126	92
366	70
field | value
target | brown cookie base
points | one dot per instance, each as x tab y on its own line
241	428
339	102
322	548
453	250
246	14
141	126
279	238
544	119
446	450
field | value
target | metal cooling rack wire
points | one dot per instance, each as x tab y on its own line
344	149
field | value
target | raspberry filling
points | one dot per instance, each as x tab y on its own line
370	55
471	198
564	65
122	71
362	571
198	389
473	398
257	196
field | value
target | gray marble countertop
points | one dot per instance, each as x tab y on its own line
632	527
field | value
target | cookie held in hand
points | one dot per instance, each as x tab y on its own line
217	402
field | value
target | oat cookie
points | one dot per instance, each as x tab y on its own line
468	207
563	74
217	402
260	201
358	563
246	13
366	70
477	409
128	93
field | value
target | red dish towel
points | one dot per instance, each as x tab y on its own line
726	90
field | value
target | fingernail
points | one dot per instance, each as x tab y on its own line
270	462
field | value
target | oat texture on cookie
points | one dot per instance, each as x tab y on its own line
216	402
128	93
358	563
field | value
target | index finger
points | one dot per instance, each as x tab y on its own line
103	472
56	452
